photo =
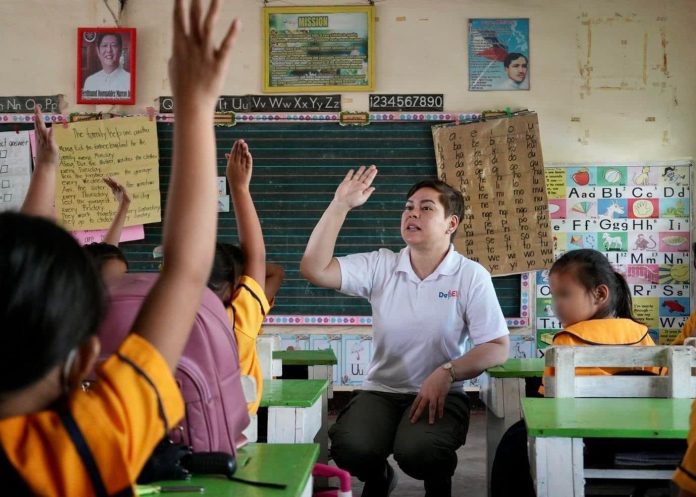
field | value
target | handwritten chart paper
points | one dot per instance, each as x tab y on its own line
498	166
15	169
125	149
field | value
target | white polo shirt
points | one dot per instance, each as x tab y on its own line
419	324
117	80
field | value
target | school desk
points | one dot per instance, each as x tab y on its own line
502	389
556	429
297	412
290	464
317	364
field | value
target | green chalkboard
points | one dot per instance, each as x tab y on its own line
297	167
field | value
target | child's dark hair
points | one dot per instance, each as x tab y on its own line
592	269
228	266
452	200
50	298
102	252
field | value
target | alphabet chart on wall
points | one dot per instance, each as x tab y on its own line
638	216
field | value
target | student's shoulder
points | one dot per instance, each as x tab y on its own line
250	289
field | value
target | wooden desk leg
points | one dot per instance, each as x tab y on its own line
505	397
322	439
295	424
322	372
309	487
557	466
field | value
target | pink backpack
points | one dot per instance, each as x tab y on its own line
207	374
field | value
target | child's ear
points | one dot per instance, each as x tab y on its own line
601	295
85	361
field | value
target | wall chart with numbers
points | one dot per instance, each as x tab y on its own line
639	217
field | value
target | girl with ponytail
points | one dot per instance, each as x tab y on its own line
593	304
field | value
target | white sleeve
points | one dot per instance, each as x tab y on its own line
484	316
358	273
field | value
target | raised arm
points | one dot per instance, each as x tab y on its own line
41	196
318	263
197	69
274	278
239	169
113	236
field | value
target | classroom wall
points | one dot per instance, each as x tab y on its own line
612	80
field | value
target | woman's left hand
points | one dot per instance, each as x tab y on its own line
432	395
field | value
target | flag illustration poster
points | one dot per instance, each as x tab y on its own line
499	54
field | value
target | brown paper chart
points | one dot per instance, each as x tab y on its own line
498	166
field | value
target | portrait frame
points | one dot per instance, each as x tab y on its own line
89	64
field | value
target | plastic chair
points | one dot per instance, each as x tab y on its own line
325	471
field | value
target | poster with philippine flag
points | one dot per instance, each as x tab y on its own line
498	54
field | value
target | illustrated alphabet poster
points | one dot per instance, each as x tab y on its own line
639	217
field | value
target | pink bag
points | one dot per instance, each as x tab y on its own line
207	374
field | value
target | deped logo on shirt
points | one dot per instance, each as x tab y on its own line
450	294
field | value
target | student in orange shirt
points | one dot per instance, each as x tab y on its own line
55	438
241	277
593	303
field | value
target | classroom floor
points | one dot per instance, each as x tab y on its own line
470	478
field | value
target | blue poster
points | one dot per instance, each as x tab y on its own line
498	54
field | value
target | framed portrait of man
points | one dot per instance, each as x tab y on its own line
106	66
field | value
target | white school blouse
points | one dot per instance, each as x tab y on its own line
419	324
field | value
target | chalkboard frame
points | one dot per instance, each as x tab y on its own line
521	319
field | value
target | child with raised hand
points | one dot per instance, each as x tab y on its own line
113	236
593	304
55	439
241	277
109	259
40	199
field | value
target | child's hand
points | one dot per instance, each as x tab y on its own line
46	148
197	68
119	191
355	188
239	166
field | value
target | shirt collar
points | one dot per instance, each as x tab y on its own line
448	266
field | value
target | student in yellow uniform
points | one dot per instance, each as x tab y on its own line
55	438
685	476
593	303
688	330
242	279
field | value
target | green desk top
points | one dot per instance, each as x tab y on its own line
306	357
292	393
518	368
607	418
290	464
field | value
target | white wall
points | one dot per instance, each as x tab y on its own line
611	80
